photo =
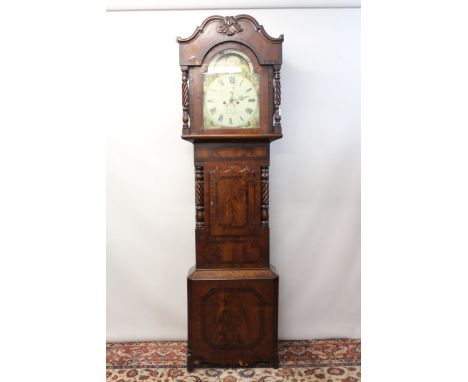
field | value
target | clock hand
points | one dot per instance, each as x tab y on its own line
240	98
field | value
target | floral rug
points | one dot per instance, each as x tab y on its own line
332	360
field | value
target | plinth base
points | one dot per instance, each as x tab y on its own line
232	318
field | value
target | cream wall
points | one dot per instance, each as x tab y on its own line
314	174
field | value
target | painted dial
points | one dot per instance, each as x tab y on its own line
231	101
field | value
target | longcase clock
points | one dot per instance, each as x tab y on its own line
231	112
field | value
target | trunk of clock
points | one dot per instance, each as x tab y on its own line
232	290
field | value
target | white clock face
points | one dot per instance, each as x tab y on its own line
231	101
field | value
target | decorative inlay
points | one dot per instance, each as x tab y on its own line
225	322
185	98
199	197
277	96
235	152
229	26
265	195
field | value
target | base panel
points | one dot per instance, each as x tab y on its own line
233	318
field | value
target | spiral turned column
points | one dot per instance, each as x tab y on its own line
264	222
277	97
199	197
185	98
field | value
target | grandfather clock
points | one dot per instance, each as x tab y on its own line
231	112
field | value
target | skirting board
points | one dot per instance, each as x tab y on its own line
168	5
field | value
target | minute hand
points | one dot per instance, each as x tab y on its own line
240	98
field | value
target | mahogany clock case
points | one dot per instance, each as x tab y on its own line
232	289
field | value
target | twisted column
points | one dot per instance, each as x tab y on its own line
265	196
277	96
185	98
199	197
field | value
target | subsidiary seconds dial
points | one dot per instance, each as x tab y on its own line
231	101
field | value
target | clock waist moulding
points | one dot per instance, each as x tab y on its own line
231	97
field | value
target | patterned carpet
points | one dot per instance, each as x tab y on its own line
333	360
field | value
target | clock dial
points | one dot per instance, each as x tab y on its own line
230	92
231	101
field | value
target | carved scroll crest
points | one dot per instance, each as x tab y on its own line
229	26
